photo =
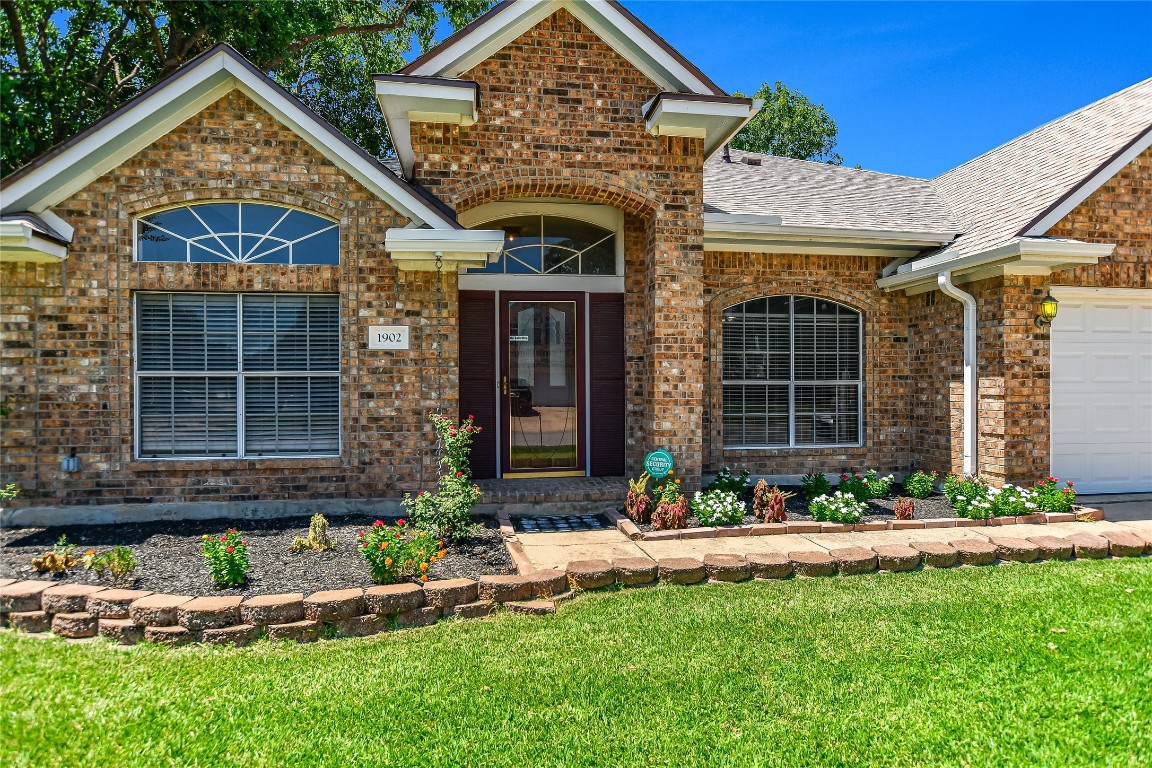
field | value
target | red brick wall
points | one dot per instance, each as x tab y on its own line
67	348
561	117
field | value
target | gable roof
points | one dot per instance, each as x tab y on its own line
68	167
810	194
1021	189
610	20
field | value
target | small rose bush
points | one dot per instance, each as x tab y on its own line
447	513
867	486
718	507
1050	497
814	484
227	558
920	484
840	507
726	480
968	495
398	552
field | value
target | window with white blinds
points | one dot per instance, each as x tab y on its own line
237	375
792	373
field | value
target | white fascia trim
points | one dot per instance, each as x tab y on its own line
20	242
406	103
607	22
765	229
49	217
418	249
1141	296
185	95
715	122
1022	257
1094	182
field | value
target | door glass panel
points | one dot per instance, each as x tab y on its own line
542	418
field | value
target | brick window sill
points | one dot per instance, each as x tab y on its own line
204	465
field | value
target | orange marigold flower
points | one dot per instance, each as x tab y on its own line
388	562
423	566
424	578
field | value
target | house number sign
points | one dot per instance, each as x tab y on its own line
387	337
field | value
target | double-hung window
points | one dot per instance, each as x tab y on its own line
237	375
792	373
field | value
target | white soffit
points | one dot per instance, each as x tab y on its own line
19	241
416	250
610	21
406	99
165	106
1020	257
712	118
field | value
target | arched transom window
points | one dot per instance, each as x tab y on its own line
552	245
792	373
237	232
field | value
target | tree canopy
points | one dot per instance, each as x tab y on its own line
66	63
790	125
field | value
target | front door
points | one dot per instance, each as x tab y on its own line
542	384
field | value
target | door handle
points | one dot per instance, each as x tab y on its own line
505	385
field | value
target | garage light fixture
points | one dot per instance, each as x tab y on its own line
1048	308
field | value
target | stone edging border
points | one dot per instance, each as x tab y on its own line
632	531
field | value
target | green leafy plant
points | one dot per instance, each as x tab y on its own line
1050	497
9	491
920	484
397	552
59	559
814	484
1012	501
227	558
447	513
730	483
671	505
638	504
968	495
905	508
769	504
867	486
718	507
116	565
840	507
317	540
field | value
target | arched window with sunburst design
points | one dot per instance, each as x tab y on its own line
238	233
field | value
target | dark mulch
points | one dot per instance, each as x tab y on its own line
169	559
879	510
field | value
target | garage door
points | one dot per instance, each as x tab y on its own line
1102	390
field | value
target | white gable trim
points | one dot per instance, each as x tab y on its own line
507	22
146	119
1081	193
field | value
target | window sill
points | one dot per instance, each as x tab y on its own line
213	463
793	448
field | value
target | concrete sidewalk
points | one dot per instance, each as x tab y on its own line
556	550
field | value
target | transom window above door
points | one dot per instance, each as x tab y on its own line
237	232
552	245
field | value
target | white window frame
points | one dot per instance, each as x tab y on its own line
792	382
240	377
604	216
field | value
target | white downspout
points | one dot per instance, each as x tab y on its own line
944	280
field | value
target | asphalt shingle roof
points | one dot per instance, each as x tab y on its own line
812	194
998	194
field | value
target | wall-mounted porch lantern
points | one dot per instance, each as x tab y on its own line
1048	308
71	462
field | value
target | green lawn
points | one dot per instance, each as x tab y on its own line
950	668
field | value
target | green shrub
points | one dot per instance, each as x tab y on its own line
814	484
397	552
840	507
447	514
227	557
1012	501
1050	497
117	565
867	486
729	483
718	507
920	484
968	495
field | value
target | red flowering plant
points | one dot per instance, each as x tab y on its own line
398	552
447	513
1050	497
227	557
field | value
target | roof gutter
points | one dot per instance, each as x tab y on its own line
944	281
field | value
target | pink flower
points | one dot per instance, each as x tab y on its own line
401	521
470	417
459	474
360	534
223	538
378	523
229	550
231	530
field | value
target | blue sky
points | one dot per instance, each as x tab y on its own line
918	88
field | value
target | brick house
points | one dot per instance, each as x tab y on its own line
212	295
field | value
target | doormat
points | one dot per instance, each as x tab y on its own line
561	523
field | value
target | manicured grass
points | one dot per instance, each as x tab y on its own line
931	668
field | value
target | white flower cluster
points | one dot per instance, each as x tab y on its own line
718	507
840	507
1006	501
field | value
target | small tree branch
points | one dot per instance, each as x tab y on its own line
344	29
17	35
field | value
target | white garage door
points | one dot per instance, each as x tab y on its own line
1102	389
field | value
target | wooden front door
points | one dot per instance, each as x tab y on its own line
541	344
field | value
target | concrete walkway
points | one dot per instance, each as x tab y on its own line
556	550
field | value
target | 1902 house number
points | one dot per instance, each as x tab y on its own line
387	337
